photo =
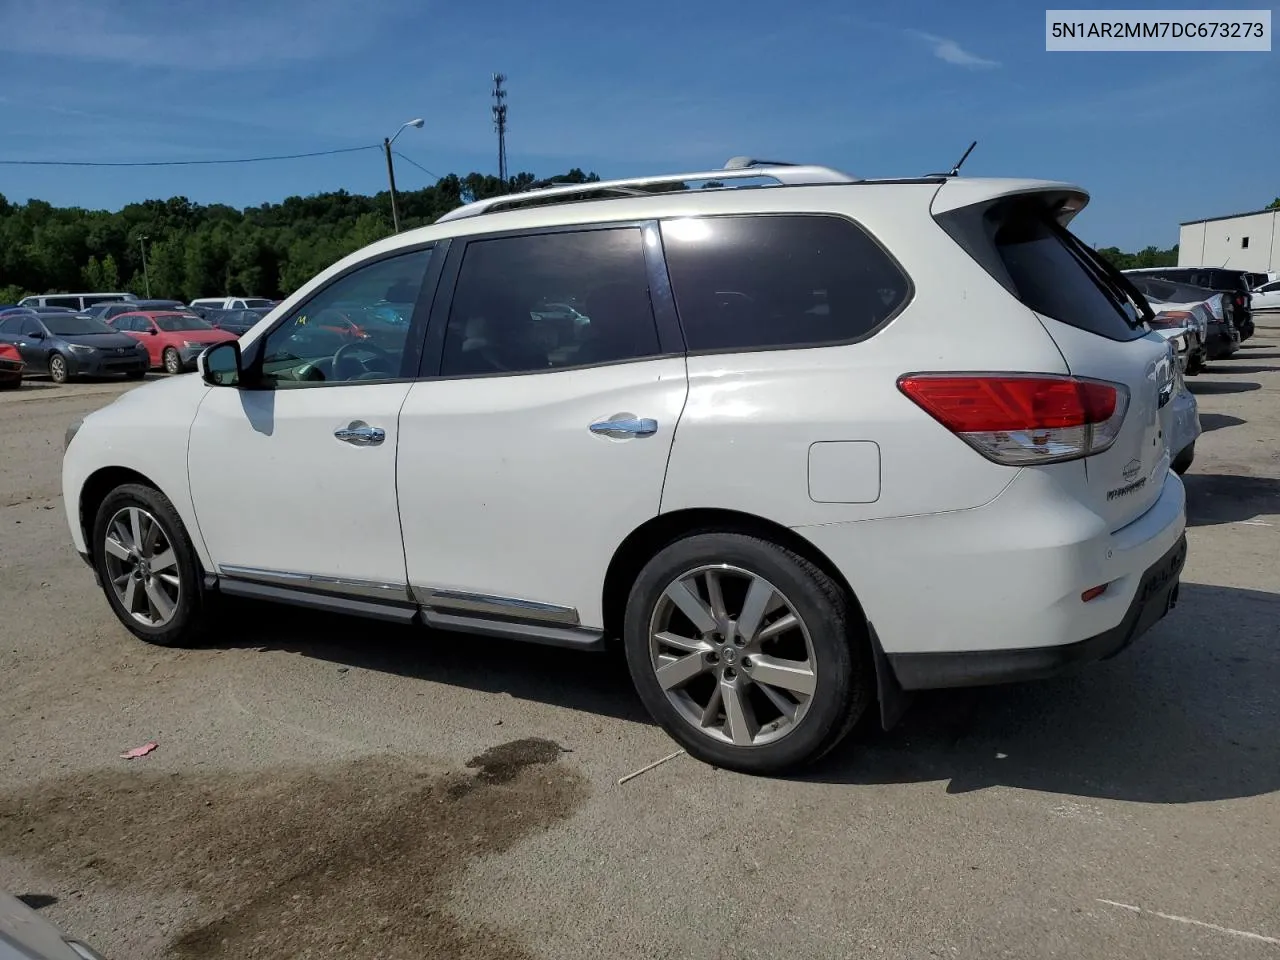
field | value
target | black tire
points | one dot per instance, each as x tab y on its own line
135	374
58	371
843	668
171	361
1182	462
11	384
193	609
1195	365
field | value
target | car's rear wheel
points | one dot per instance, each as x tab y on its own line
745	652
148	567
172	362
58	368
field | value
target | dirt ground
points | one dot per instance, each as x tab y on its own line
333	788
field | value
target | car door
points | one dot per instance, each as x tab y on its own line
312	448
30	337
535	444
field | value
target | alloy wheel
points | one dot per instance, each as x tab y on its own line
57	369
142	567
172	363
732	655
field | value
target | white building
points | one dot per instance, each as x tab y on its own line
1245	241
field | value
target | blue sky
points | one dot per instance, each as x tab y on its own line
877	90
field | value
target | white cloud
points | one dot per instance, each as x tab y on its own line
953	53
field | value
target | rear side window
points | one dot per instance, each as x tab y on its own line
1053	279
73	302
754	282
543	302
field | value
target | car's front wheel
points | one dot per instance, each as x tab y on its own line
58	368
172	361
148	567
746	653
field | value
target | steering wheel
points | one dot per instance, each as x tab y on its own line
347	349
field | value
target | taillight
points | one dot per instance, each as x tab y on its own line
1020	419
1173	318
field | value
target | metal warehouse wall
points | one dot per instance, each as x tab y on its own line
1220	243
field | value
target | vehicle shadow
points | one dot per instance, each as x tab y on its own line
1188	714
590	682
1246	367
1210	387
1219	421
1214	498
1258	356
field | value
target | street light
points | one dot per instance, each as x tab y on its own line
142	242
391	171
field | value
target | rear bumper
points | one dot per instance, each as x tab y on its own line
1004	577
1157	594
1223	341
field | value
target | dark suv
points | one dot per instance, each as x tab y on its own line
1235	283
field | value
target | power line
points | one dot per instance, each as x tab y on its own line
415	163
183	163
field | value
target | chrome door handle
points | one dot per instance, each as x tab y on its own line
361	434
622	426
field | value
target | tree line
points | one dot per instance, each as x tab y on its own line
193	250
270	250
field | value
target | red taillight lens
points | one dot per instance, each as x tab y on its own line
1173	318
1018	420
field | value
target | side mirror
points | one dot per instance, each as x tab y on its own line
36	334
219	365
154	332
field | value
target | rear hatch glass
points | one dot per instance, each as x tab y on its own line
1096	318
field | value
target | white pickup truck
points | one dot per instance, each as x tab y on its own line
233	303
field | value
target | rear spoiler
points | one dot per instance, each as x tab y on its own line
1064	199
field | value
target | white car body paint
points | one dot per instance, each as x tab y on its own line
495	485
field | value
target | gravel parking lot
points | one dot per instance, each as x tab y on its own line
334	788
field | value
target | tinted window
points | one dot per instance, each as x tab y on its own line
742	283
508	314
178	324
320	342
256	302
1051	277
75	324
11	324
73	302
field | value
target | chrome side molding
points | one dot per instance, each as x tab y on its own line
486	605
339	586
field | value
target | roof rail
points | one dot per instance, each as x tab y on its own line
739	168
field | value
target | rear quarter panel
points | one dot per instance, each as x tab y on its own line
744	440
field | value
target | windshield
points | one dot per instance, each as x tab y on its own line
257	302
72	325
174	324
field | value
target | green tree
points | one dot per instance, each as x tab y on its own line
1274	204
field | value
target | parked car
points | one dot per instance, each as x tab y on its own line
233	303
172	340
11	366
1267	296
66	345
238	322
75	302
1181	415
1187	325
108	311
25	935
1233	283
732	465
1223	337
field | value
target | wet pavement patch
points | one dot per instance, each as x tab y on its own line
342	861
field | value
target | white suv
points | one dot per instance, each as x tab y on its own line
801	447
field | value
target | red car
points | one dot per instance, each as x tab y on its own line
11	367
173	340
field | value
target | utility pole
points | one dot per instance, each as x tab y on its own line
391	179
500	123
391	170
142	242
